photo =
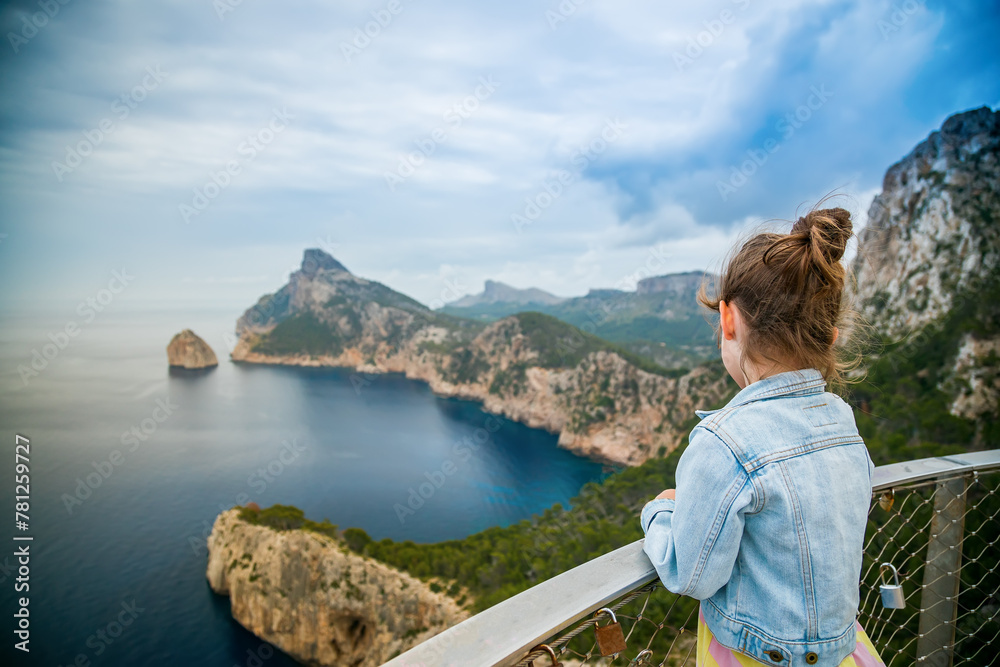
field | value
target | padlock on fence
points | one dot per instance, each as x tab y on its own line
886	500
610	638
892	594
552	655
643	659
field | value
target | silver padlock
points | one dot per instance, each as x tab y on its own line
892	594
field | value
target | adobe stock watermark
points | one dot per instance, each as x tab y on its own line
427	146
328	245
257	658
454	288
133	438
462	450
714	28
655	264
60	339
249	149
223	7
787	126
553	187
108	633
563	12
258	481
361	380
898	17
364	35
122	107
32	23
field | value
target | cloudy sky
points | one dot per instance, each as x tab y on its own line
201	145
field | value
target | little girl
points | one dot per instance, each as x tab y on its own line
767	523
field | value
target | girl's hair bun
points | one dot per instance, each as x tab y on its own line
825	231
789	289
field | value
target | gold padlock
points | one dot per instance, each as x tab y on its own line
886	499
552	655
610	638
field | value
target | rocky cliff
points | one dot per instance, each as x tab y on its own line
932	231
602	401
187	350
313	598
931	250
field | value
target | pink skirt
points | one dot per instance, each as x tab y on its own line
713	654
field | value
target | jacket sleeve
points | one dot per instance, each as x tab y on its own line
693	541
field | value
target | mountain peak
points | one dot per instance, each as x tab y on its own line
495	291
314	260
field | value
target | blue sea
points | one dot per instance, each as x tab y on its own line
130	464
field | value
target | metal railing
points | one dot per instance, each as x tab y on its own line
937	520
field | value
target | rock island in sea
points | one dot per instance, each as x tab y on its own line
188	350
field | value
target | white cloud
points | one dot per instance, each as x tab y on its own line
324	176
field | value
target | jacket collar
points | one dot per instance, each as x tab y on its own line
792	383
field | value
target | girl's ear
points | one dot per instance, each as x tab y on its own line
836	334
727	320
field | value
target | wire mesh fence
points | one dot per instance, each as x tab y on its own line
940	536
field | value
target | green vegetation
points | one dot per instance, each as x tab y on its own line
561	345
288	517
302	333
465	365
510	380
433	347
902	406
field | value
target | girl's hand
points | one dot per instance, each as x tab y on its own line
668	494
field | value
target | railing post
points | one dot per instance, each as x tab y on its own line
942	576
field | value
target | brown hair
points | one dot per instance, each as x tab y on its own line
789	289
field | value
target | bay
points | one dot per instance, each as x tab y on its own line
121	536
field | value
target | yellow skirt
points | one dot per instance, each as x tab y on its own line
713	654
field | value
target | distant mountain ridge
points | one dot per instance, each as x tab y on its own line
497	292
680	284
661	320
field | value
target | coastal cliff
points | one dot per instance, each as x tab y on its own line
603	401
309	595
927	261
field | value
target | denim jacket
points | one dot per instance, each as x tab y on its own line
768	526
